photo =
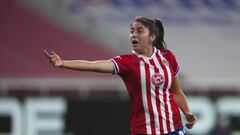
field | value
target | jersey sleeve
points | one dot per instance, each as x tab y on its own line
121	64
172	62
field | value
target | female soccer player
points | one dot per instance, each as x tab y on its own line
150	74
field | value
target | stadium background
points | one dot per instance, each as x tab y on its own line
37	99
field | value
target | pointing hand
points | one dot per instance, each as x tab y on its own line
54	59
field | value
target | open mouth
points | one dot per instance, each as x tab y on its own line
134	42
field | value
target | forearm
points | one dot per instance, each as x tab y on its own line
84	65
181	101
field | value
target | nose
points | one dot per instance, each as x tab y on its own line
133	35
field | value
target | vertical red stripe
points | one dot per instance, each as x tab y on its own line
148	85
156	70
164	92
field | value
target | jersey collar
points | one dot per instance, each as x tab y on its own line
145	57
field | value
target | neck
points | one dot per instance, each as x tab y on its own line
149	51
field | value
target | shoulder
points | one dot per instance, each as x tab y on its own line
125	57
123	63
167	53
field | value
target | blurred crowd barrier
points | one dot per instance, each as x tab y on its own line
67	111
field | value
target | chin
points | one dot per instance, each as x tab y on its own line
136	50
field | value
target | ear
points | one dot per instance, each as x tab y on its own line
153	37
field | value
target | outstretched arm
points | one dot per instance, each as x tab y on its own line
102	66
181	101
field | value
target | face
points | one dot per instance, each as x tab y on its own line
140	38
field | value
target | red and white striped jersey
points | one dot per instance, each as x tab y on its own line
148	81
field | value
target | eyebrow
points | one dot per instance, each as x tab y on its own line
138	28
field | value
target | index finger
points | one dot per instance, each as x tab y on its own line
46	53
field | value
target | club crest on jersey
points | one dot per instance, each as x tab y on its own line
157	79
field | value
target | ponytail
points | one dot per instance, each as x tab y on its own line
159	42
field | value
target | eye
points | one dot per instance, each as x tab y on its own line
140	30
